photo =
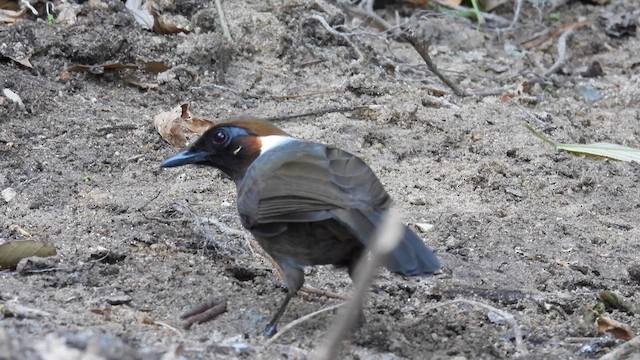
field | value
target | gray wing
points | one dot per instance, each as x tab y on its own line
313	182
303	181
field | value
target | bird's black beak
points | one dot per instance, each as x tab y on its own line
185	157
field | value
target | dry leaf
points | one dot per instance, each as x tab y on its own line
155	67
24	61
167	124
599	150
142	85
489	5
165	24
11	309
10	16
144	319
9	5
67	13
15	98
175	124
617	329
13	251
142	16
149	17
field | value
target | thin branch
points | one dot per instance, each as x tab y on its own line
223	22
322	112
516	14
333	31
562	53
329	294
521	349
487	16
376	20
410	36
298	321
203	313
624	351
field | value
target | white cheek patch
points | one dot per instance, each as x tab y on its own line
273	141
237	150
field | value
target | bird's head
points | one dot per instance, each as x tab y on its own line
231	146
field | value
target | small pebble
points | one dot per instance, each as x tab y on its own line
118	300
8	194
515	192
417	201
423	227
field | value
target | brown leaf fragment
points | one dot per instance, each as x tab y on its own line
194	124
167	124
617	329
155	67
489	5
145	319
105	311
11	309
9	5
165	24
174	125
8	16
142	85
13	251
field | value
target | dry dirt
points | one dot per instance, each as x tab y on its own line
518	225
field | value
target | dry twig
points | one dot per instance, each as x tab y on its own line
298	321
223	21
333	31
204	312
322	112
487	16
562	53
363	12
521	349
539	39
410	36
624	351
516	14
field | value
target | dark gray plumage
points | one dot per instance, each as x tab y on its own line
306	204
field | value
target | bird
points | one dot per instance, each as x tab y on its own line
305	203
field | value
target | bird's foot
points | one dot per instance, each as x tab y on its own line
270	330
203	312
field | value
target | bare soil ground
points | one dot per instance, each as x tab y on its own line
518	225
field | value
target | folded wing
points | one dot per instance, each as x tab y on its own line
320	182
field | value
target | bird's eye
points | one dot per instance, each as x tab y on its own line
220	136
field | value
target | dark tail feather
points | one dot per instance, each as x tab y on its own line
412	257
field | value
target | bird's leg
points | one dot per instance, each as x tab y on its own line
271	328
294	276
